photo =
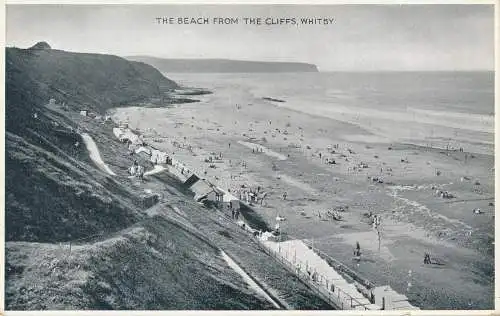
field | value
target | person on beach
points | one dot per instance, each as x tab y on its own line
229	145
357	252
427	258
284	195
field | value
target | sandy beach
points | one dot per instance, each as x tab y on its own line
278	149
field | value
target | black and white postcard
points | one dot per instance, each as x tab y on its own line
249	157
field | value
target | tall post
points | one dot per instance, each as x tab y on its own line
379	238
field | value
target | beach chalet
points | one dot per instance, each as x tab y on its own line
204	190
158	157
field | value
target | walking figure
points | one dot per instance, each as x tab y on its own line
284	196
357	252
427	258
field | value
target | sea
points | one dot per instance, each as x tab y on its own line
437	109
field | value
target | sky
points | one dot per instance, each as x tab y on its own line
361	37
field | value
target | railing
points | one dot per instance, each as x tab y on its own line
321	285
340	267
333	295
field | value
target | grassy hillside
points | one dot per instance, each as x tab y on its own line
78	238
41	157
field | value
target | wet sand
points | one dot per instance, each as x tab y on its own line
286	159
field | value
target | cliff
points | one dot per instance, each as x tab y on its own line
80	238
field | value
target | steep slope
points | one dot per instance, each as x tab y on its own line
221	65
83	81
40	152
79	238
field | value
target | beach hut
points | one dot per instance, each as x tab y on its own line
118	132
158	157
126	135
142	149
204	190
191	180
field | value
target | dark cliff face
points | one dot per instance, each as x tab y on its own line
222	65
122	257
79	238
49	185
91	81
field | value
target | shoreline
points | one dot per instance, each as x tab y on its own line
321	186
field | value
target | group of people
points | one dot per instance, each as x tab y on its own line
137	170
257	150
235	214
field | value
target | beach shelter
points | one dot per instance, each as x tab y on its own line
205	190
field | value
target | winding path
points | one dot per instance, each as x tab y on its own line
95	155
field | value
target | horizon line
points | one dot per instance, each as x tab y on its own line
272	61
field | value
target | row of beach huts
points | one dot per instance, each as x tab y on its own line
204	190
383	297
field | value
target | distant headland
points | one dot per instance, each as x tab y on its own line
222	65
